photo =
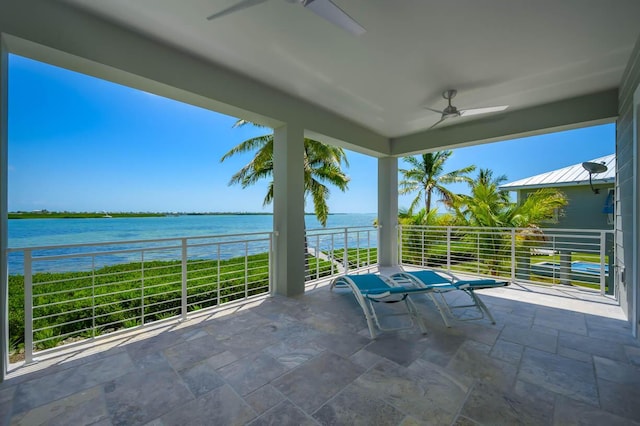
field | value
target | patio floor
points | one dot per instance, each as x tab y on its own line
556	356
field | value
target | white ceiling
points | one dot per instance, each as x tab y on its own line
517	52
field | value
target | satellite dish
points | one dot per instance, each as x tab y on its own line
594	168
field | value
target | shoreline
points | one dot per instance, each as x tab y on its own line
88	215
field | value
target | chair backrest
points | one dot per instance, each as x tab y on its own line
368	282
430	277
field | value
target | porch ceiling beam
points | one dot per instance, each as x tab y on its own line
593	109
58	34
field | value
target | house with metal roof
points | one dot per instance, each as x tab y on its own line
590	195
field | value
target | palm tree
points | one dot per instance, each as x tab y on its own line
485	176
322	166
422	245
426	176
489	206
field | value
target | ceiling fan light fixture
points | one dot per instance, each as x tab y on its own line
451	111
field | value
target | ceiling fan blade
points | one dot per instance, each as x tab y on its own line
242	4
476	111
438	122
332	13
434	110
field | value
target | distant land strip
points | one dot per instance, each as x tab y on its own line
45	214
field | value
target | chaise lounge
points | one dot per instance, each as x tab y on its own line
442	282
369	289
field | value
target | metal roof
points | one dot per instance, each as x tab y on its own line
568	176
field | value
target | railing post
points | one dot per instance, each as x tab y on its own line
422	248
28	308
272	236
184	279
246	269
399	233
448	248
218	278
478	252
345	259
603	245
553	251
513	255
142	288
368	250
357	249
333	252
318	257
93	296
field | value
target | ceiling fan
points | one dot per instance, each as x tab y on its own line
324	8
451	111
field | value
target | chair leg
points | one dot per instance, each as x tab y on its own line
369	315
413	312
481	305
440	309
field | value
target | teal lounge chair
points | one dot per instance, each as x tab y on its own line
369	289
442	282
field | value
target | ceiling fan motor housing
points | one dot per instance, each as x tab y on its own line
450	111
449	94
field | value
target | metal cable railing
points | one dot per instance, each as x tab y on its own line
67	293
333	251
579	257
61	294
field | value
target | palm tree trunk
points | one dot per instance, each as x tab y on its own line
428	202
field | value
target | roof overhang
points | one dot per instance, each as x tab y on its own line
588	110
599	182
101	39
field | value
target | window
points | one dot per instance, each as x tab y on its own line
609	206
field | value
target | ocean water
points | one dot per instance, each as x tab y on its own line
24	233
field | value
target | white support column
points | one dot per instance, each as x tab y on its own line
634	280
288	209
4	165
388	211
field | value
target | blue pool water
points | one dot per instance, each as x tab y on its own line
576	266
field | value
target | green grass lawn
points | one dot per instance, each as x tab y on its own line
501	268
357	258
575	256
73	305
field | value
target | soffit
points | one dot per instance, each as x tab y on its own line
514	52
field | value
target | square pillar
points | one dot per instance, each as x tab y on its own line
4	222
388	211
288	210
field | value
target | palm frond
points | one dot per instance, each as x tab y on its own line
252	144
322	164
242	123
319	194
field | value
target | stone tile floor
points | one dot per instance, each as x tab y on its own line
555	357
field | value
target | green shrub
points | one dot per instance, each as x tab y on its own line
83	304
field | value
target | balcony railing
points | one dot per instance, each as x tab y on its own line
579	257
60	294
332	251
66	293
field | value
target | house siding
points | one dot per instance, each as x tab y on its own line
625	197
583	210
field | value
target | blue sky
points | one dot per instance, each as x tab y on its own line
77	143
